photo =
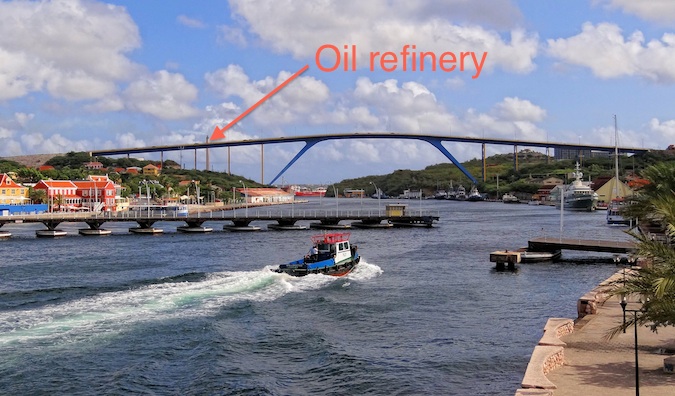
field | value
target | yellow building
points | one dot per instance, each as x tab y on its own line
611	189
151	170
11	192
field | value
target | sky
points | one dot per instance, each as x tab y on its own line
80	75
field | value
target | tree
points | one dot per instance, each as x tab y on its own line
655	283
37	196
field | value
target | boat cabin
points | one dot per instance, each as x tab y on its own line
331	246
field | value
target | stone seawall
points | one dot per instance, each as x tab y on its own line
549	353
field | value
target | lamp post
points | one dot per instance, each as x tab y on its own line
624	303
245	198
377	191
337	207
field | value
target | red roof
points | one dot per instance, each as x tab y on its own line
45	167
87	184
331	238
7	182
56	184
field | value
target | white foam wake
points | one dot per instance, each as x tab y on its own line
111	312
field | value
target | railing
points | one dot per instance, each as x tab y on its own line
216	215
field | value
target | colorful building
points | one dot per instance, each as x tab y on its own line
11	192
66	195
150	170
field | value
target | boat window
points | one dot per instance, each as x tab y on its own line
346	245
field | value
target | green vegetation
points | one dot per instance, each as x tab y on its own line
654	284
501	176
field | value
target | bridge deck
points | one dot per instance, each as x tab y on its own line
588	245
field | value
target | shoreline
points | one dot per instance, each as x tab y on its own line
574	357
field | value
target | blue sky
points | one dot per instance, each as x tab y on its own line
83	75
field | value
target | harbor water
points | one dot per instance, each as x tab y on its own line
181	314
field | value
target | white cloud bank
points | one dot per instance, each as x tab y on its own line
300	29
604	49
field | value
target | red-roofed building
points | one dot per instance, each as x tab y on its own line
66	195
11	192
61	194
45	168
96	195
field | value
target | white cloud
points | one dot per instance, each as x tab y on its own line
6	133
652	10
604	50
56	143
190	22
302	96
75	49
164	95
232	35
514	109
662	134
23	118
300	29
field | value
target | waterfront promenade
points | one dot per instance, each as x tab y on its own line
596	366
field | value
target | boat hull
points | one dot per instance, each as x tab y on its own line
584	204
310	193
299	268
533	257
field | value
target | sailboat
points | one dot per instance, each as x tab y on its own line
614	209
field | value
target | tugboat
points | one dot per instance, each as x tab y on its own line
331	254
474	195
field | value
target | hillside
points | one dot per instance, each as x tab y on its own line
33	160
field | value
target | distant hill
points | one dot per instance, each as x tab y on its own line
33	160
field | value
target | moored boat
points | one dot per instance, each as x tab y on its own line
579	196
331	254
303	191
474	195
460	193
510	198
614	215
527	256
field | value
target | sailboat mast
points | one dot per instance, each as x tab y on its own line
616	158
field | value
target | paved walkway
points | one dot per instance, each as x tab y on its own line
597	366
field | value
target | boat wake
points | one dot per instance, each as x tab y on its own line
113	312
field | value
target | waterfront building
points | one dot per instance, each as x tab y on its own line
66	195
266	195
354	193
11	192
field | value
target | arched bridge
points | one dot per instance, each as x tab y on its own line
311	140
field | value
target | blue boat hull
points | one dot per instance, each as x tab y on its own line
326	267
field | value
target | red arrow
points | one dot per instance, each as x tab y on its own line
219	133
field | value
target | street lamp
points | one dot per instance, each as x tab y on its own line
245	198
337	207
623	304
377	191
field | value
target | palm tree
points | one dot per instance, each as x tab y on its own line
655	282
37	196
